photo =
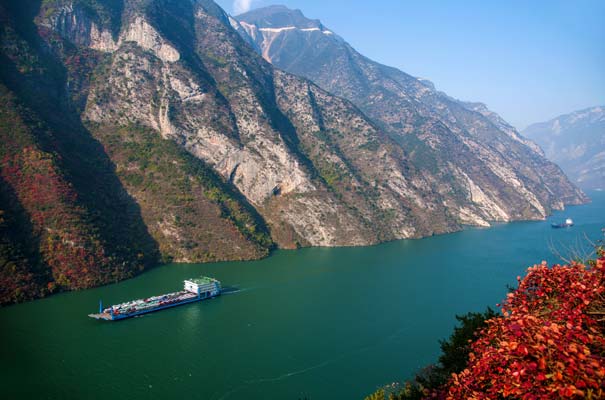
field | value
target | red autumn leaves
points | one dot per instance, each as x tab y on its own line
67	243
549	344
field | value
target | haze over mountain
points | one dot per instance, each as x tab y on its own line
575	141
139	131
517	54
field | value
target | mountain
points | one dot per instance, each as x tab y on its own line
143	131
85	203
576	142
481	166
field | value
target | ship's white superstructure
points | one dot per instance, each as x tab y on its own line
203	287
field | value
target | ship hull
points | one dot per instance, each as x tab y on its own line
121	316
561	226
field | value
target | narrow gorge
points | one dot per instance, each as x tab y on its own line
144	131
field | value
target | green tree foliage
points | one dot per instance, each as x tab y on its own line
453	359
378	395
455	350
152	166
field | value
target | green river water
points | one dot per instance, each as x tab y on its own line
312	323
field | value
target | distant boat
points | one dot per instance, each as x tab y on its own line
568	222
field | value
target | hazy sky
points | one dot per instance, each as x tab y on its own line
527	60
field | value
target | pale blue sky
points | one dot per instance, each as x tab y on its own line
527	60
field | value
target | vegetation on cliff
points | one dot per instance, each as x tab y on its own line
83	204
189	210
52	237
144	131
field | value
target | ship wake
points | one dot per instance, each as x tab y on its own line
322	364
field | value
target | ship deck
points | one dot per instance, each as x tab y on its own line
184	299
104	316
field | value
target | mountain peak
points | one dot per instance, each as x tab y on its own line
278	16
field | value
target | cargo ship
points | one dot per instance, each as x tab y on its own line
568	222
197	289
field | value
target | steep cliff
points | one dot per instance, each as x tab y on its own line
182	71
151	130
484	169
85	204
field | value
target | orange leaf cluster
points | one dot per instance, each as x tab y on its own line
549	344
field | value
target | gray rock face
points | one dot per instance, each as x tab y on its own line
576	142
74	23
167	135
317	169
481	167
501	124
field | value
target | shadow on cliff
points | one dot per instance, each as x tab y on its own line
20	261
46	91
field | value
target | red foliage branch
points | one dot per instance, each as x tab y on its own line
549	344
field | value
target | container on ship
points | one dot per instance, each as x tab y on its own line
196	289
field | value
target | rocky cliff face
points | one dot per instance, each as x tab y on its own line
481	166
216	98
86	203
576	142
167	136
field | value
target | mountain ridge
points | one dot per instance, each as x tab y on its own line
168	137
409	109
576	141
258	18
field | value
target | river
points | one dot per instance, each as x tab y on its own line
312	323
